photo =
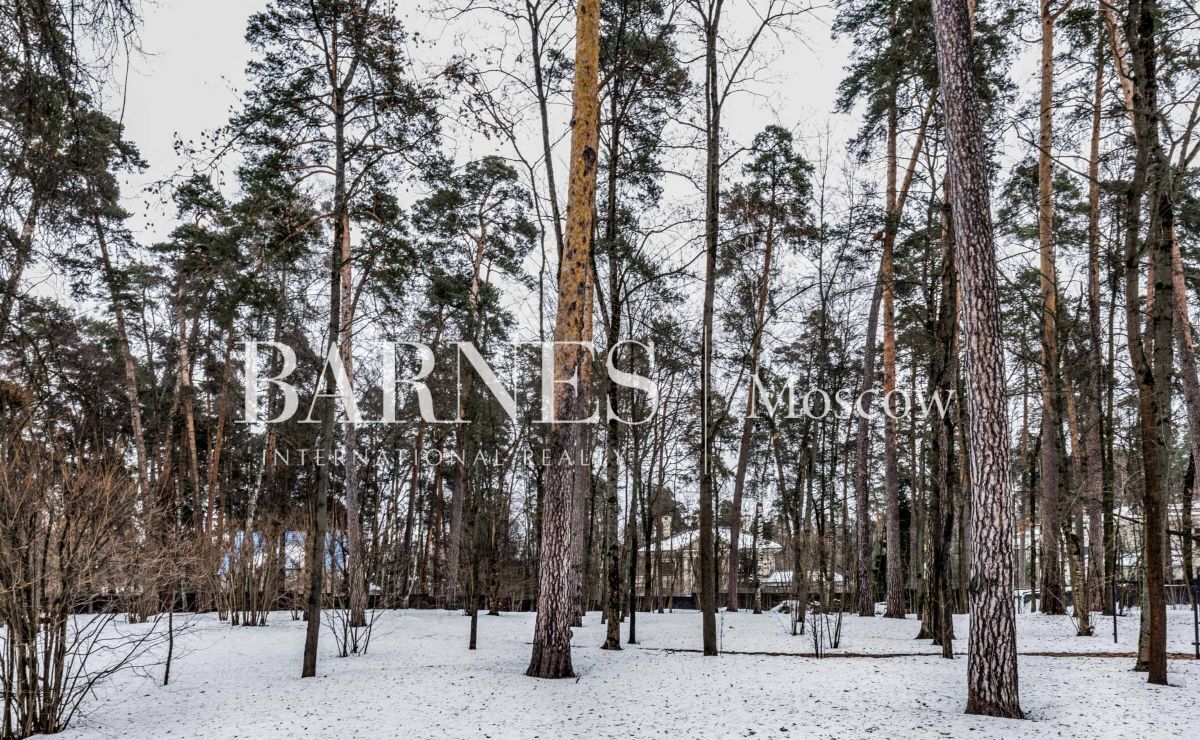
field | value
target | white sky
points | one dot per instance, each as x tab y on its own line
193	70
195	56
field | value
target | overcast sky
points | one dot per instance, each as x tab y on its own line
195	57
192	72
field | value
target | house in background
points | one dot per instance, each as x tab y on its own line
675	564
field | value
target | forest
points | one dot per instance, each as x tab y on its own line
462	342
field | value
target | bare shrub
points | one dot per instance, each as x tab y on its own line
65	528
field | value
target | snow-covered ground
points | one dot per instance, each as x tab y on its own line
419	681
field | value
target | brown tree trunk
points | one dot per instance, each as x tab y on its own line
895	597
1072	524
558	589
131	384
863	587
712	198
186	395
212	482
356	583
939	618
1153	380
319	502
1093	405
612	439
319	499
992	662
739	480
1053	601
1191	394
413	483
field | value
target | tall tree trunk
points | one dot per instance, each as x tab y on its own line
863	586
754	578
992	662
212	482
413	484
356	582
558	590
319	499
612	438
131	384
712	198
1153	380
186	395
894	592
1093	416
1072	522
1052	589
631	537
1191	394
942	380
319	504
739	480
896	197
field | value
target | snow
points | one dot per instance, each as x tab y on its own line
419	680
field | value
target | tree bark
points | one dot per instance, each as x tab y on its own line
992	652
739	480
1053	601
895	596
1153	380
355	578
612	439
558	587
863	587
712	198
1093	413
130	366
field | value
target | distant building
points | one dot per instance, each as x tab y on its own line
1028	542
677	582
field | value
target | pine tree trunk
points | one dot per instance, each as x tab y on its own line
632	541
1053	601
895	592
1093	416
319	499
1151	358
939	625
992	662
1072	524
355	577
1191	395
558	583
739	480
712	197
863	586
414	482
130	367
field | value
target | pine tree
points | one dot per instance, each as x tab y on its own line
558	597
992	652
